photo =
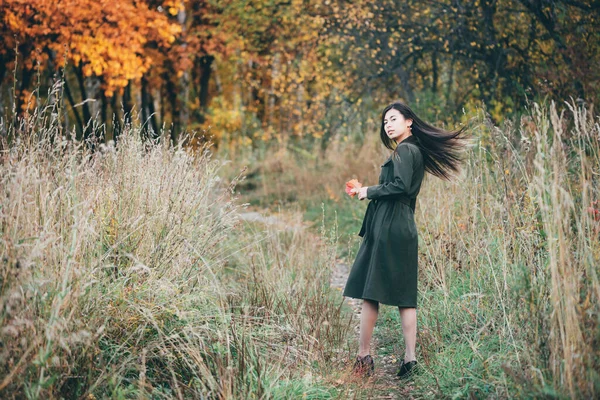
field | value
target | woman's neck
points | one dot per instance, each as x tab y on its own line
402	139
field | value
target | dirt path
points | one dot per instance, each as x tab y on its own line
384	383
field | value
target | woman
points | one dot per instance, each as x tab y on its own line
385	269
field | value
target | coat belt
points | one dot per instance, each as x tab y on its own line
411	202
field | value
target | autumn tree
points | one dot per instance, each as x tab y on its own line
498	52
103	44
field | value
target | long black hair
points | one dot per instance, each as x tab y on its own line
440	148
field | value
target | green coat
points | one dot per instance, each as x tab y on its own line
385	269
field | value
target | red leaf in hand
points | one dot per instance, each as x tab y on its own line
352	187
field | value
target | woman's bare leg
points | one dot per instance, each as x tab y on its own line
368	317
409	328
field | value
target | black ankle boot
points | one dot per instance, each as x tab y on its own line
407	369
364	365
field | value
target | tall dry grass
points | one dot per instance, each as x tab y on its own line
127	272
518	227
510	251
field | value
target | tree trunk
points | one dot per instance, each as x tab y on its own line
272	98
104	112
205	73
87	116
25	81
2	69
153	117
148	113
184	81
127	104
145	129
494	58
434	68
2	73
537	9
171	89
116	125
450	81
78	132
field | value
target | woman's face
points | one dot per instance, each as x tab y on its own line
395	125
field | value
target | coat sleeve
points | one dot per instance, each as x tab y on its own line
403	161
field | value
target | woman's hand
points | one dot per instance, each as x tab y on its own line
362	193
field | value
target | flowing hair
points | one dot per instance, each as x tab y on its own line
440	148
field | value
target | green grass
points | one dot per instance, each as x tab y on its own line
509	259
346	216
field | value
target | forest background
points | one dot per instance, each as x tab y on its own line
252	71
135	133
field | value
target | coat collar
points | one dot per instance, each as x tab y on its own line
410	139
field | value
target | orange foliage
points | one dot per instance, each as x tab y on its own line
108	38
